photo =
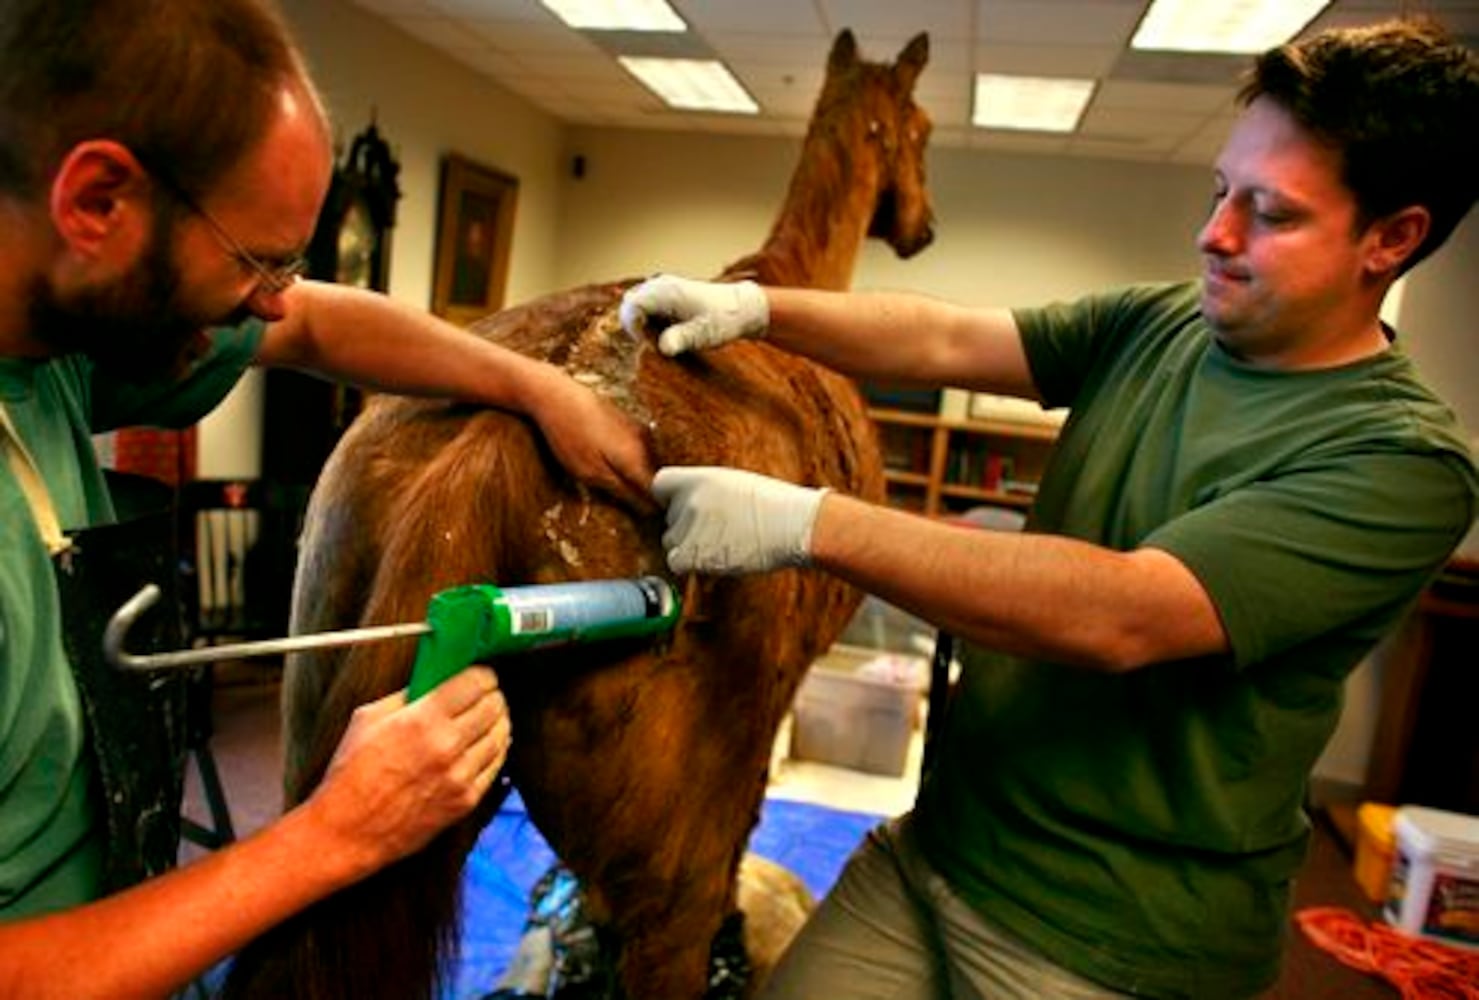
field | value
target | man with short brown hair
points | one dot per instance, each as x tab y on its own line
1253	485
162	167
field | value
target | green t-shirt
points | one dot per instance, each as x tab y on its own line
1142	828
50	833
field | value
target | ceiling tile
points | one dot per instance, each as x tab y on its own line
789	100
1152	105
494	10
1138	96
803	51
946	56
1085	62
441	32
499	65
751	16
534	36
574	69
420	8
1057	23
609	93
1205	143
1180	67
1101	122
945	20
948	111
1019	142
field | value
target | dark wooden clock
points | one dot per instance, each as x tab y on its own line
351	244
304	416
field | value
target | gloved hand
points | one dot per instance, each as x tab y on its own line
728	521
703	313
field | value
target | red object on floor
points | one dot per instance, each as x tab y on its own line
1419	968
168	456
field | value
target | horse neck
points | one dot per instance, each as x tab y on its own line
815	239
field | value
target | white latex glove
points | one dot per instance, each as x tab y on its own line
728	521
702	313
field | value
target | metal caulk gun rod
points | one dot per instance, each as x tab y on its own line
125	616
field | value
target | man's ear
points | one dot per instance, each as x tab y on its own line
100	199
1396	237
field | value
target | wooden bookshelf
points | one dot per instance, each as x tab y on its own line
940	467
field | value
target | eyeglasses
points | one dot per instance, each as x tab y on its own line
272	278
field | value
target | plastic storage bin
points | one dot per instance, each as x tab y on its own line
1434	888
846	715
1374	847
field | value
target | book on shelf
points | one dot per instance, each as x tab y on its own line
898	397
973	463
904	449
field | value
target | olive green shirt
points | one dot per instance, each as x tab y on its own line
1142	828
50	832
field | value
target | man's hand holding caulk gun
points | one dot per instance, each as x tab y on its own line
421	758
404	772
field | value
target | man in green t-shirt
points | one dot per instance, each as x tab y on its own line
162	166
1252	486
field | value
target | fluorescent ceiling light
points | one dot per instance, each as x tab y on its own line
617	15
1240	26
1043	104
692	84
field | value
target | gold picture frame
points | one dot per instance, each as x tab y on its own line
475	225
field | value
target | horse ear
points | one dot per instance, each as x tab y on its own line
911	61
844	52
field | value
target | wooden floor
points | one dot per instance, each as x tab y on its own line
247	752
1325	880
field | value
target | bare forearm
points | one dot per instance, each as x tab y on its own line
1033	595
376	342
902	337
370	340
151	940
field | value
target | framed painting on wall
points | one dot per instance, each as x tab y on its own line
474	229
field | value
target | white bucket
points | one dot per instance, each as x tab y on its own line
1434	887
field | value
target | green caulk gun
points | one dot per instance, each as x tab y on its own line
464	625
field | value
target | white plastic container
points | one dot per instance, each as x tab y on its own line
852	716
1434	888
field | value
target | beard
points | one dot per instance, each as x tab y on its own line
134	328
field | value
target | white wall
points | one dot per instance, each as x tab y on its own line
1439	311
425	105
1011	229
651	201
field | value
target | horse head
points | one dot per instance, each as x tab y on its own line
899	129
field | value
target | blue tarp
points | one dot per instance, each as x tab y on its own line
812	841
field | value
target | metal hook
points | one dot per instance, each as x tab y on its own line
124	617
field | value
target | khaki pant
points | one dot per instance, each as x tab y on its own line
891	929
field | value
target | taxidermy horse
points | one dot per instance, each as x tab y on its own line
643	764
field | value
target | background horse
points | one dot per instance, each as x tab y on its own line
644	765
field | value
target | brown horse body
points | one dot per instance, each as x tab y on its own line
644	765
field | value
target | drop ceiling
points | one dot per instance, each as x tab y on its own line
1147	106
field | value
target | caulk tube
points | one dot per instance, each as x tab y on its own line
586	611
472	623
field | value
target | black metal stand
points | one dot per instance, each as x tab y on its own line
198	744
939	698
